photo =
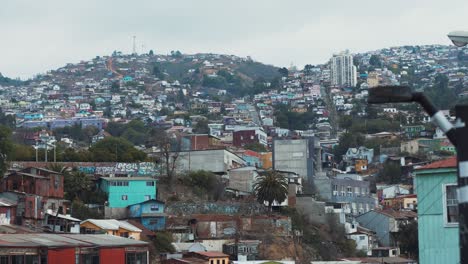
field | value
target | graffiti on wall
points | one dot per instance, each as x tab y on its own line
99	168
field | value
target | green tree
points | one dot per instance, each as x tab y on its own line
115	87
201	127
6	148
408	239
7	120
204	183
308	68
81	211
157	72
256	147
345	122
440	94
176	54
76	185
23	153
116	149
391	172
375	61
151	53
271	186
163	243
283	71
347	140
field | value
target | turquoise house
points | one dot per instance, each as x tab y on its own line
125	191
436	185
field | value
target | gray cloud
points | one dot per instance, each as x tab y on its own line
42	35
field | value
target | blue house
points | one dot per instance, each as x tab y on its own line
149	213
359	153
436	187
125	191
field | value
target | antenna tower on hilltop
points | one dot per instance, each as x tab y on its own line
134	45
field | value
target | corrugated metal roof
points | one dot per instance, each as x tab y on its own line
65	240
446	163
112	224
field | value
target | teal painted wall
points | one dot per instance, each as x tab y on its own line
135	191
437	243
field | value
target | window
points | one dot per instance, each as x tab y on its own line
147	197
362	237
150	183
342	191
153	221
335	190
450	204
124	197
3	259
136	258
154	207
350	190
118	183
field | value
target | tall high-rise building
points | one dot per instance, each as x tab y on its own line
343	71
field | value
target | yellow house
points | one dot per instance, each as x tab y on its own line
267	160
212	257
110	227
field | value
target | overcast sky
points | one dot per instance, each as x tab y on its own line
37	36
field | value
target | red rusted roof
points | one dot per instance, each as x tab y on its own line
446	163
398	214
249	152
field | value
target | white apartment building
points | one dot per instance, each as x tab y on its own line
343	71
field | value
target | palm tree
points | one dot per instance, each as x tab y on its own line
270	187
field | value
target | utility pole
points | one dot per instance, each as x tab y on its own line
461	134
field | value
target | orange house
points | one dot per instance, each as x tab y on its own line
360	165
267	160
110	227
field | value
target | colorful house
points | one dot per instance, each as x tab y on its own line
252	158
266	160
149	213
110	227
438	232
448	147
413	131
125	191
72	248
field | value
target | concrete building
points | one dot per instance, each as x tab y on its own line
295	155
219	160
347	189
343	71
242	179
373	79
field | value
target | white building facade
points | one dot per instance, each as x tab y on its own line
343	72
